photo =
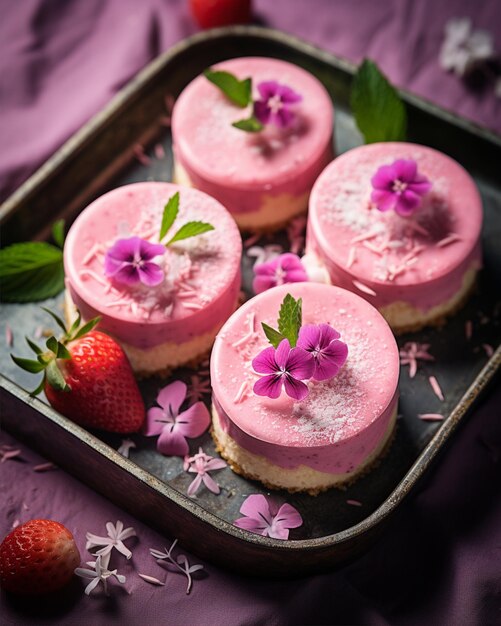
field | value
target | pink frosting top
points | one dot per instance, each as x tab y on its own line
221	159
342	420
419	259
202	274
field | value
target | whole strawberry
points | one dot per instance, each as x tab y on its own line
88	378
37	557
213	13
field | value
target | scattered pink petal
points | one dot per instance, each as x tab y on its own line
489	350
9	337
263	517
250	241
363	288
169	102
468	329
143	158
16	523
354	502
37	333
201	464
151	579
166	121
8	454
411	352
44	467
436	388
125	447
452	238
431	417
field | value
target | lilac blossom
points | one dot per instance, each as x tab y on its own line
275	103
285	268
99	573
399	186
284	366
263	517
322	342
201	464
115	539
174	426
129	261
413	351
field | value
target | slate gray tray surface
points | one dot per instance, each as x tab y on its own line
103	155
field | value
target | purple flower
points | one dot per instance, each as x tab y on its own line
285	268
173	426
283	366
201	464
322	342
128	261
274	106
399	186
263	517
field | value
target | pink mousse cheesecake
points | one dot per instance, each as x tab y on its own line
400	225
325	426
164	302
263	178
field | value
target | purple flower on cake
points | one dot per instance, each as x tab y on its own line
173	426
201	464
322	342
285	268
399	186
263	517
275	103
284	366
129	261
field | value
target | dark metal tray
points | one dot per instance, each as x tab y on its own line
152	487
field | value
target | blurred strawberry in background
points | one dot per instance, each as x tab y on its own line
213	13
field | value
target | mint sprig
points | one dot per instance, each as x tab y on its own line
30	272
289	322
376	105
238	91
190	229
58	233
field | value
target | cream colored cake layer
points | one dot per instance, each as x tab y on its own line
301	478
275	210
160	359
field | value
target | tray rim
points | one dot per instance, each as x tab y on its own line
427	454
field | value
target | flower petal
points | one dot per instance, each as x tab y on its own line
215	464
211	484
156	419
268	88
252	525
407	202
172	443
264	362
300	364
282	354
283	118
384	177
194	421
327	334
337	351
278	532
288	95
288	517
406	170
309	337
262	111
384	200
295	388
172	395
195	485
150	274
263	283
270	386
256	506
149	251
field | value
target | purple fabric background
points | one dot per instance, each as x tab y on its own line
440	560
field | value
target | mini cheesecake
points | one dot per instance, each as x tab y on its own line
263	178
416	268
174	322
344	424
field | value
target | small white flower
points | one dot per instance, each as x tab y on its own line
99	573
116	536
125	447
463	48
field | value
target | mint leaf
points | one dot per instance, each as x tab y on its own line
171	210
58	232
378	109
190	229
238	91
250	125
31	271
273	336
290	318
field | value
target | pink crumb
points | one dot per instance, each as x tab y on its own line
9	337
354	502
364	288
159	151
489	350
468	329
431	417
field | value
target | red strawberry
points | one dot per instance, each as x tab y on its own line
37	557
213	13
88	379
